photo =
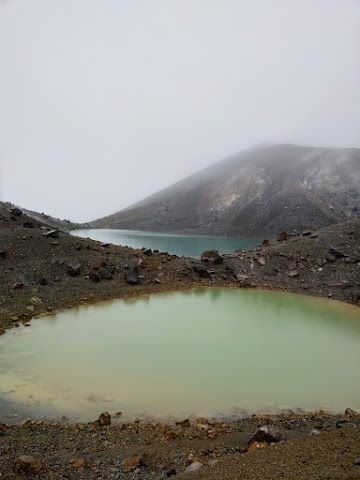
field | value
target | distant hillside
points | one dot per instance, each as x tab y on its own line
260	191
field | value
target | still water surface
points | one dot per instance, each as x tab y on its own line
176	244
201	352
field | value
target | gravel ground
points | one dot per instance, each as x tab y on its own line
41	273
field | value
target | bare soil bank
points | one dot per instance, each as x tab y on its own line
41	272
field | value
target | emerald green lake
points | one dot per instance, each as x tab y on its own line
197	352
176	244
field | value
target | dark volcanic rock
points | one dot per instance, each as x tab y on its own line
73	268
132	277
268	434
104	273
16	211
212	256
52	234
336	252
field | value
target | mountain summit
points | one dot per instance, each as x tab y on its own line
259	191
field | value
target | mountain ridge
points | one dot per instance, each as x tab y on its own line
258	191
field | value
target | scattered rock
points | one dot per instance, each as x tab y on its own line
28	225
132	277
212	256
35	301
135	462
357	461
350	413
148	252
261	261
104	419
341	285
171	472
94	276
73	268
265	243
79	463
104	273
336	252
28	464
183	423
193	467
201	270
51	234
2	254
293	273
257	445
16	211
267	433
282	236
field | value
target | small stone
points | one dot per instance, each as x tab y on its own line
94	276
104	273
293	273
132	277
26	423
35	301
357	461
350	413
79	463
257	445
171	435
171	472
27	464
148	252
183	423
2	331
51	234
193	467
16	211
104	419
282	236
2	254
134	462
336	252
267	433
73	268
157	280
261	261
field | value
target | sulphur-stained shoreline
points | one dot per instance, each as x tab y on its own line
43	272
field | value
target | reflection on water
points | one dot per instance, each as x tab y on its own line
201	352
176	244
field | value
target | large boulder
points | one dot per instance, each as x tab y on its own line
212	256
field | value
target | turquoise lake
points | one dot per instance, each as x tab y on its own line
176	244
205	352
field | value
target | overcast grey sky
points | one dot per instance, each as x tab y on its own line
103	102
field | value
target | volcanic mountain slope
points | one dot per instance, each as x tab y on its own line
260	191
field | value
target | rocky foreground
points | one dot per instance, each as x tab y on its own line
43	270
